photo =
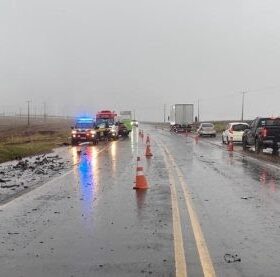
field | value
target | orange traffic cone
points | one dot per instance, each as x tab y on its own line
141	182
148	151
230	145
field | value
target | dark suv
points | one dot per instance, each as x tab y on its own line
263	133
123	131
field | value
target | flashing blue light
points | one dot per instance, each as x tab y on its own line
85	120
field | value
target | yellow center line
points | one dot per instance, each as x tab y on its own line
180	260
205	259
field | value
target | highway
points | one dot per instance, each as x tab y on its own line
207	212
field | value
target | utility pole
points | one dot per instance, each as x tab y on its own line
243	103
164	113
45	112
198	111
28	112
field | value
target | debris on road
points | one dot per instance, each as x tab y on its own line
246	197
9	186
20	174
231	258
4	181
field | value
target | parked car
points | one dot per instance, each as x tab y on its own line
206	129
234	131
263	133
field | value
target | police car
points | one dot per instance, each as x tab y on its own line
84	131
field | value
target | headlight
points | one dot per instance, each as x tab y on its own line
74	132
93	132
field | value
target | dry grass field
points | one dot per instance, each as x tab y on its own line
18	140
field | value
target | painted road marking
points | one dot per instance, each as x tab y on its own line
205	259
180	259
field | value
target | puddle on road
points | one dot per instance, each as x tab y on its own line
267	178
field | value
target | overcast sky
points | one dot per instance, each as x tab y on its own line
83	56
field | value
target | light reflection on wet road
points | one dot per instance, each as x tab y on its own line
88	175
91	222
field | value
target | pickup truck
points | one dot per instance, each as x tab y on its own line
262	133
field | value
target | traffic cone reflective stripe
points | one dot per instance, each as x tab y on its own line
141	182
148	151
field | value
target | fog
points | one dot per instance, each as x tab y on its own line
83	56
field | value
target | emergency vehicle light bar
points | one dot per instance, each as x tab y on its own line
85	119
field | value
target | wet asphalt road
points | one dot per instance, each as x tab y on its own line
205	207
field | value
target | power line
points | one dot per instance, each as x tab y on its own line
229	94
264	89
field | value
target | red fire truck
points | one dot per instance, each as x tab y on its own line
106	115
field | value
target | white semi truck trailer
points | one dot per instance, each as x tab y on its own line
181	116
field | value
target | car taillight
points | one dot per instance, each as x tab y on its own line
264	132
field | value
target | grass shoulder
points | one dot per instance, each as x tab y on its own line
28	144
